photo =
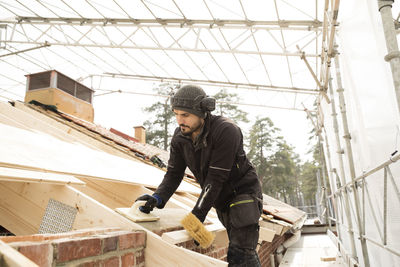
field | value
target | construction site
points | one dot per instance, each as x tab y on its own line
73	75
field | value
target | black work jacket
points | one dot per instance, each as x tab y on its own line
218	162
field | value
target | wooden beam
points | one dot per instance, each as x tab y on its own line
10	257
112	194
92	213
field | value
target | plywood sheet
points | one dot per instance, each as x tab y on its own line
17	175
44	151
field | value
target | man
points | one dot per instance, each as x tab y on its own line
212	147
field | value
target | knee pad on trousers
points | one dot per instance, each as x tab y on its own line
242	257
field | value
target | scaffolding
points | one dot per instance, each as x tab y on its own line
350	65
365	193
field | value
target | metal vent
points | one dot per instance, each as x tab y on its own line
84	93
66	84
58	218
39	80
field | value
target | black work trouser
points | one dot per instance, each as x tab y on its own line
242	239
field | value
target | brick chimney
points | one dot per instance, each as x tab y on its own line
54	88
140	134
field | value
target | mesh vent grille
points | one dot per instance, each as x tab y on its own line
39	80
83	93
58	218
66	84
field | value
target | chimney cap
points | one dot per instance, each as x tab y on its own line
139	126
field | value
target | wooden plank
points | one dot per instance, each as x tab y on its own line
279	227
18	214
328	254
92	213
180	236
10	257
282	210
266	234
18	175
221	238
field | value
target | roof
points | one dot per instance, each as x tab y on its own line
46	140
44	150
53	157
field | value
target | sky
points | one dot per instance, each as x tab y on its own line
123	111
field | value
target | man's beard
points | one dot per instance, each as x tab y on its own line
191	130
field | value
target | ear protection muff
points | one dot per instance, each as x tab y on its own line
201	103
207	104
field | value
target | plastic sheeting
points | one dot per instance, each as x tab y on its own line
373	120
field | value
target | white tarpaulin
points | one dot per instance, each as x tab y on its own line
373	119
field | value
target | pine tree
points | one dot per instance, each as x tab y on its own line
226	109
262	140
160	128
283	183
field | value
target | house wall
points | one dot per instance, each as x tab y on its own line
110	247
264	251
213	251
267	248
101	247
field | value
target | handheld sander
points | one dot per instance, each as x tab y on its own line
133	213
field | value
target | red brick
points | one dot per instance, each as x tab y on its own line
39	253
221	252
128	260
110	262
132	240
110	243
140	257
68	249
90	264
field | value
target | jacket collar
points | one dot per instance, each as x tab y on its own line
201	140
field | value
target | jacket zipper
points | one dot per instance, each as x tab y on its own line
241	202
206	190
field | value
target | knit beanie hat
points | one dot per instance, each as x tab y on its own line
188	98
